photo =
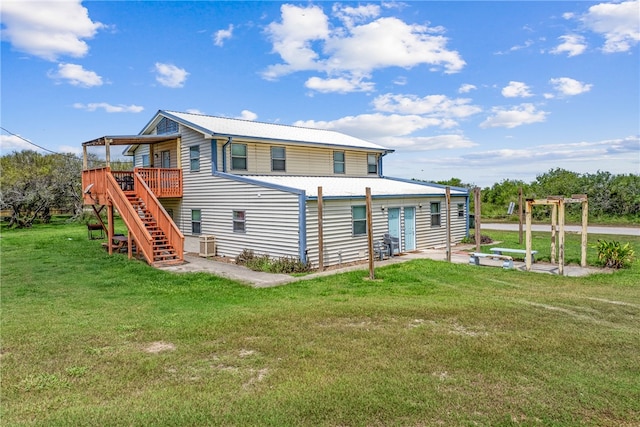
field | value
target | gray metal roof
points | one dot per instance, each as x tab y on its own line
223	126
355	187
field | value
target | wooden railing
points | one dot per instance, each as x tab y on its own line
163	182
95	193
129	215
171	231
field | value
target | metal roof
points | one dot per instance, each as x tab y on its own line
131	139
228	127
343	187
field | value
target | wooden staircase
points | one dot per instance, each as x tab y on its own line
163	251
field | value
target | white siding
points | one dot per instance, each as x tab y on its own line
341	246
271	214
308	161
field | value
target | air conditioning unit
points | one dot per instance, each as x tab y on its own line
207	246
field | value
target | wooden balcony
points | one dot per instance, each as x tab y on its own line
162	182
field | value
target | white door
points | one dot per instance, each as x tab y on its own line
409	229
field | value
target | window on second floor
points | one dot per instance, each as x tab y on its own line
194	158
239	157
166	126
359	217
435	214
278	159
338	162
372	163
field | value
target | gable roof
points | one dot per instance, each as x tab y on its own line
212	126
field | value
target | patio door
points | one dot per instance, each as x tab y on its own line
394	222
165	159
409	229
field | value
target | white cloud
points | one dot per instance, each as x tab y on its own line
427	143
247	115
221	35
375	127
523	114
169	75
339	85
572	45
516	90
432	105
76	75
466	88
569	87
307	41
618	23
48	29
108	108
11	143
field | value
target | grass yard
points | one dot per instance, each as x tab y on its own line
89	339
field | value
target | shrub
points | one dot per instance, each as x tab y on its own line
471	238
286	265
614	255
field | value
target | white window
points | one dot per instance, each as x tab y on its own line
278	159
359	217
194	158
196	221
338	162
435	214
372	164
239	221
239	157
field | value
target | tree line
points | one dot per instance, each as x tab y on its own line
612	197
33	185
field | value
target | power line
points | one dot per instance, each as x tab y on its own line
36	145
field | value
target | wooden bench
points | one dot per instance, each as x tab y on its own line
507	261
499	251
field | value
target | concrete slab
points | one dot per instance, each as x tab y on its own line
459	255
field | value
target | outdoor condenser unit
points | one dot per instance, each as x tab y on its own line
207	246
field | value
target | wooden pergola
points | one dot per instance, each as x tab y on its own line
108	141
557	224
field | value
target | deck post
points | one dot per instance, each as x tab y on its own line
110	227
527	257
129	245
554	222
561	237
448	196
372	274
583	240
85	161
320	232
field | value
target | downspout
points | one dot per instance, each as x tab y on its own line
467	208
380	174
302	227
224	154
214	156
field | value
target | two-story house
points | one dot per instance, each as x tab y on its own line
257	186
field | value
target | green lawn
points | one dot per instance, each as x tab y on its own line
89	339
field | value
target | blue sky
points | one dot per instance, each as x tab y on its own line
481	91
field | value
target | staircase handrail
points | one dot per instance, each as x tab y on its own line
166	224
131	218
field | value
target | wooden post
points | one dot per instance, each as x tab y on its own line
85	161
520	210
448	194
372	274
320	232
129	244
585	220
179	156
110	230
107	151
561	237
554	222
527	257
476	206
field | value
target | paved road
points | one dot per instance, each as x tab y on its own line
596	229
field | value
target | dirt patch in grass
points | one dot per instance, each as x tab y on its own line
159	347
